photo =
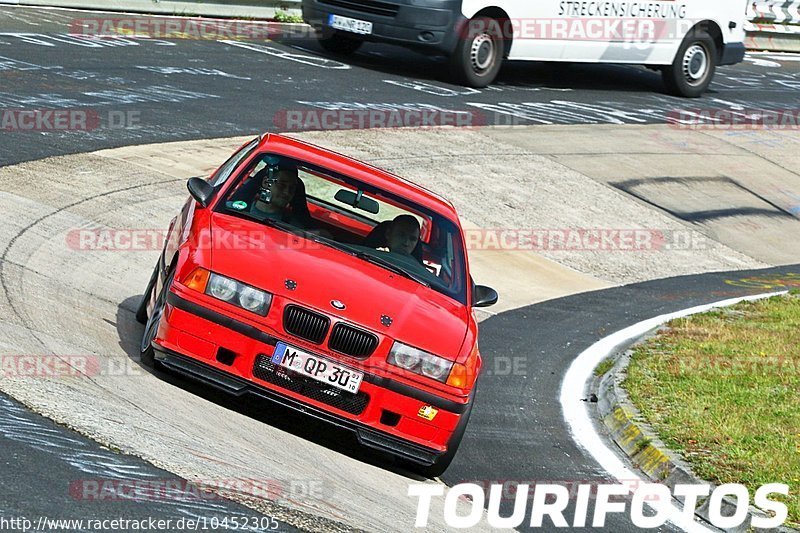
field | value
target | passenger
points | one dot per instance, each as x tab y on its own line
402	236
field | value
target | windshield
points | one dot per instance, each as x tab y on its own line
353	217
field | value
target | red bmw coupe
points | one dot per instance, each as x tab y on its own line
326	285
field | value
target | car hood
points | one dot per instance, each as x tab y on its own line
269	259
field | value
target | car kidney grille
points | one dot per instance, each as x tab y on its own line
355	342
384	9
265	370
305	324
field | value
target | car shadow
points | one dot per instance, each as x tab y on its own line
398	61
273	414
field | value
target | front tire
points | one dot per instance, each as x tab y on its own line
440	466
694	66
479	53
339	44
141	311
146	351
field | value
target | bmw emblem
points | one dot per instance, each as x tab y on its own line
338	305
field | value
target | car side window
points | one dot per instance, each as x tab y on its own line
226	170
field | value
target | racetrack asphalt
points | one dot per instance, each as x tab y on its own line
146	90
540	447
517	432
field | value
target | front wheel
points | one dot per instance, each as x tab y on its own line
141	311
694	66
147	354
442	463
479	53
337	43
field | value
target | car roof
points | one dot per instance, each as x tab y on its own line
365	172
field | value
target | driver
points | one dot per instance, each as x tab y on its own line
274	197
403	235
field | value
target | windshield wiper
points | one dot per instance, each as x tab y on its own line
388	266
344	248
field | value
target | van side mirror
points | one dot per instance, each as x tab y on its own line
201	191
483	296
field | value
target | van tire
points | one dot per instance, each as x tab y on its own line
479	53
336	43
693	69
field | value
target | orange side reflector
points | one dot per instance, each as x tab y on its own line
464	376
197	280
458	376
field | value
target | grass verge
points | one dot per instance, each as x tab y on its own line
723	389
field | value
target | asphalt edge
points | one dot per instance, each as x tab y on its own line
628	429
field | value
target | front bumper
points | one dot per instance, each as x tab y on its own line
427	24
192	336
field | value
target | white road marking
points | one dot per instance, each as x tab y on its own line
314	61
576	413
763	62
430	88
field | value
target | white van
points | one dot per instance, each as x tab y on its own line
685	39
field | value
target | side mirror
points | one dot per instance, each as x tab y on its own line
201	191
483	296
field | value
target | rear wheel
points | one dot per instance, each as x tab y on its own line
151	328
694	66
479	53
337	43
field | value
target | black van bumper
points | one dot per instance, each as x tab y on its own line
425	24
732	53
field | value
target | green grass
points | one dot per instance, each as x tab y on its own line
723	389
285	16
604	366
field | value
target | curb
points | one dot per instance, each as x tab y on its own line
634	436
774	39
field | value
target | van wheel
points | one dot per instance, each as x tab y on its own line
336	43
479	53
694	66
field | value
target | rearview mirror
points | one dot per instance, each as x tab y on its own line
483	296
201	191
357	200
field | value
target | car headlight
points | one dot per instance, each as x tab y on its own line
420	362
221	288
252	299
230	291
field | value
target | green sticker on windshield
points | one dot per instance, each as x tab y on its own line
239	206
